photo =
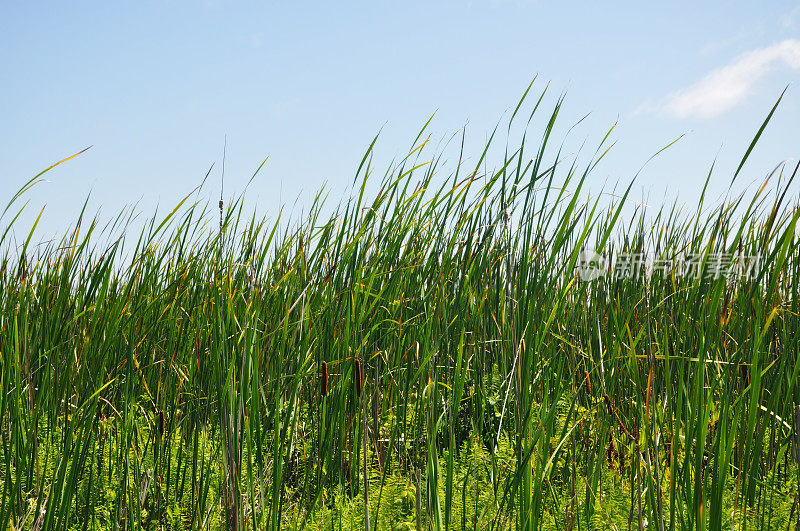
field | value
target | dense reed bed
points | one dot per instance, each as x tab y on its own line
429	356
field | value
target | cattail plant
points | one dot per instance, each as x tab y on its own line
323	380
357	377
174	365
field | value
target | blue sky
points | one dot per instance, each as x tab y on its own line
156	86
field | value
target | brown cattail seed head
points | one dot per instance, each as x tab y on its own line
161	422
324	379
358	378
588	382
611	451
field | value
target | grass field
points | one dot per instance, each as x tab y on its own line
425	357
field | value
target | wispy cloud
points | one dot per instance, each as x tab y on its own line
789	20
725	87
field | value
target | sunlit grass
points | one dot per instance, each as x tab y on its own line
431	344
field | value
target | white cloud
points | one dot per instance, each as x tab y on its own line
724	88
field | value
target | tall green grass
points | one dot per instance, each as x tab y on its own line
423	357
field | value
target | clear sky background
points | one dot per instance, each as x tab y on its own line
155	87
